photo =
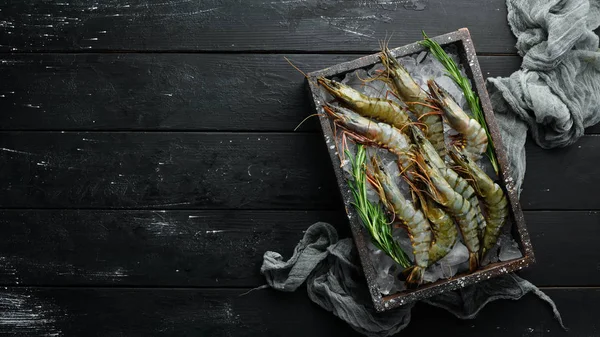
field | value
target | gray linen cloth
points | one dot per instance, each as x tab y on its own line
556	95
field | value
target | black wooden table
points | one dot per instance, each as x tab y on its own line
147	160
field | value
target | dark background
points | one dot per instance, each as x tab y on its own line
147	161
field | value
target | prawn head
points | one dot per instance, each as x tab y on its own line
341	92
455	115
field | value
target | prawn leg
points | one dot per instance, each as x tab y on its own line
459	207
474	136
407	89
443	228
458	183
418	226
494	199
384	110
381	134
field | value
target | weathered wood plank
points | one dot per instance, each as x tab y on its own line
166	91
565	246
150	248
528	317
354	25
166	170
225	248
226	170
229	170
595	129
200	312
563	178
169	91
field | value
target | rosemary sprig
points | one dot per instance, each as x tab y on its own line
372	215
454	73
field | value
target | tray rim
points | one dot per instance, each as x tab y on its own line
383	303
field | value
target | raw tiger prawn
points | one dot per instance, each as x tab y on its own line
458	183
443	228
382	134
416	99
475	139
381	109
494	198
416	223
459	207
447	192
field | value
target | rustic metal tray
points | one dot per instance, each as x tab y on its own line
462	40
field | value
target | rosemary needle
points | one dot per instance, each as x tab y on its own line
371	214
453	72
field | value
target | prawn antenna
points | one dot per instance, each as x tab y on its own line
378	77
424	177
419	193
433	107
294	66
305	119
379	189
367	80
468	176
381	75
378	186
344	147
386	41
418	124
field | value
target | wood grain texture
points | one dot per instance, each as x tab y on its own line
565	246
225	248
206	92
156	194
315	25
594	129
166	170
157	170
216	313
564	178
149	248
200	92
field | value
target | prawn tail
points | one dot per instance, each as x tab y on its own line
484	252
473	261
414	276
